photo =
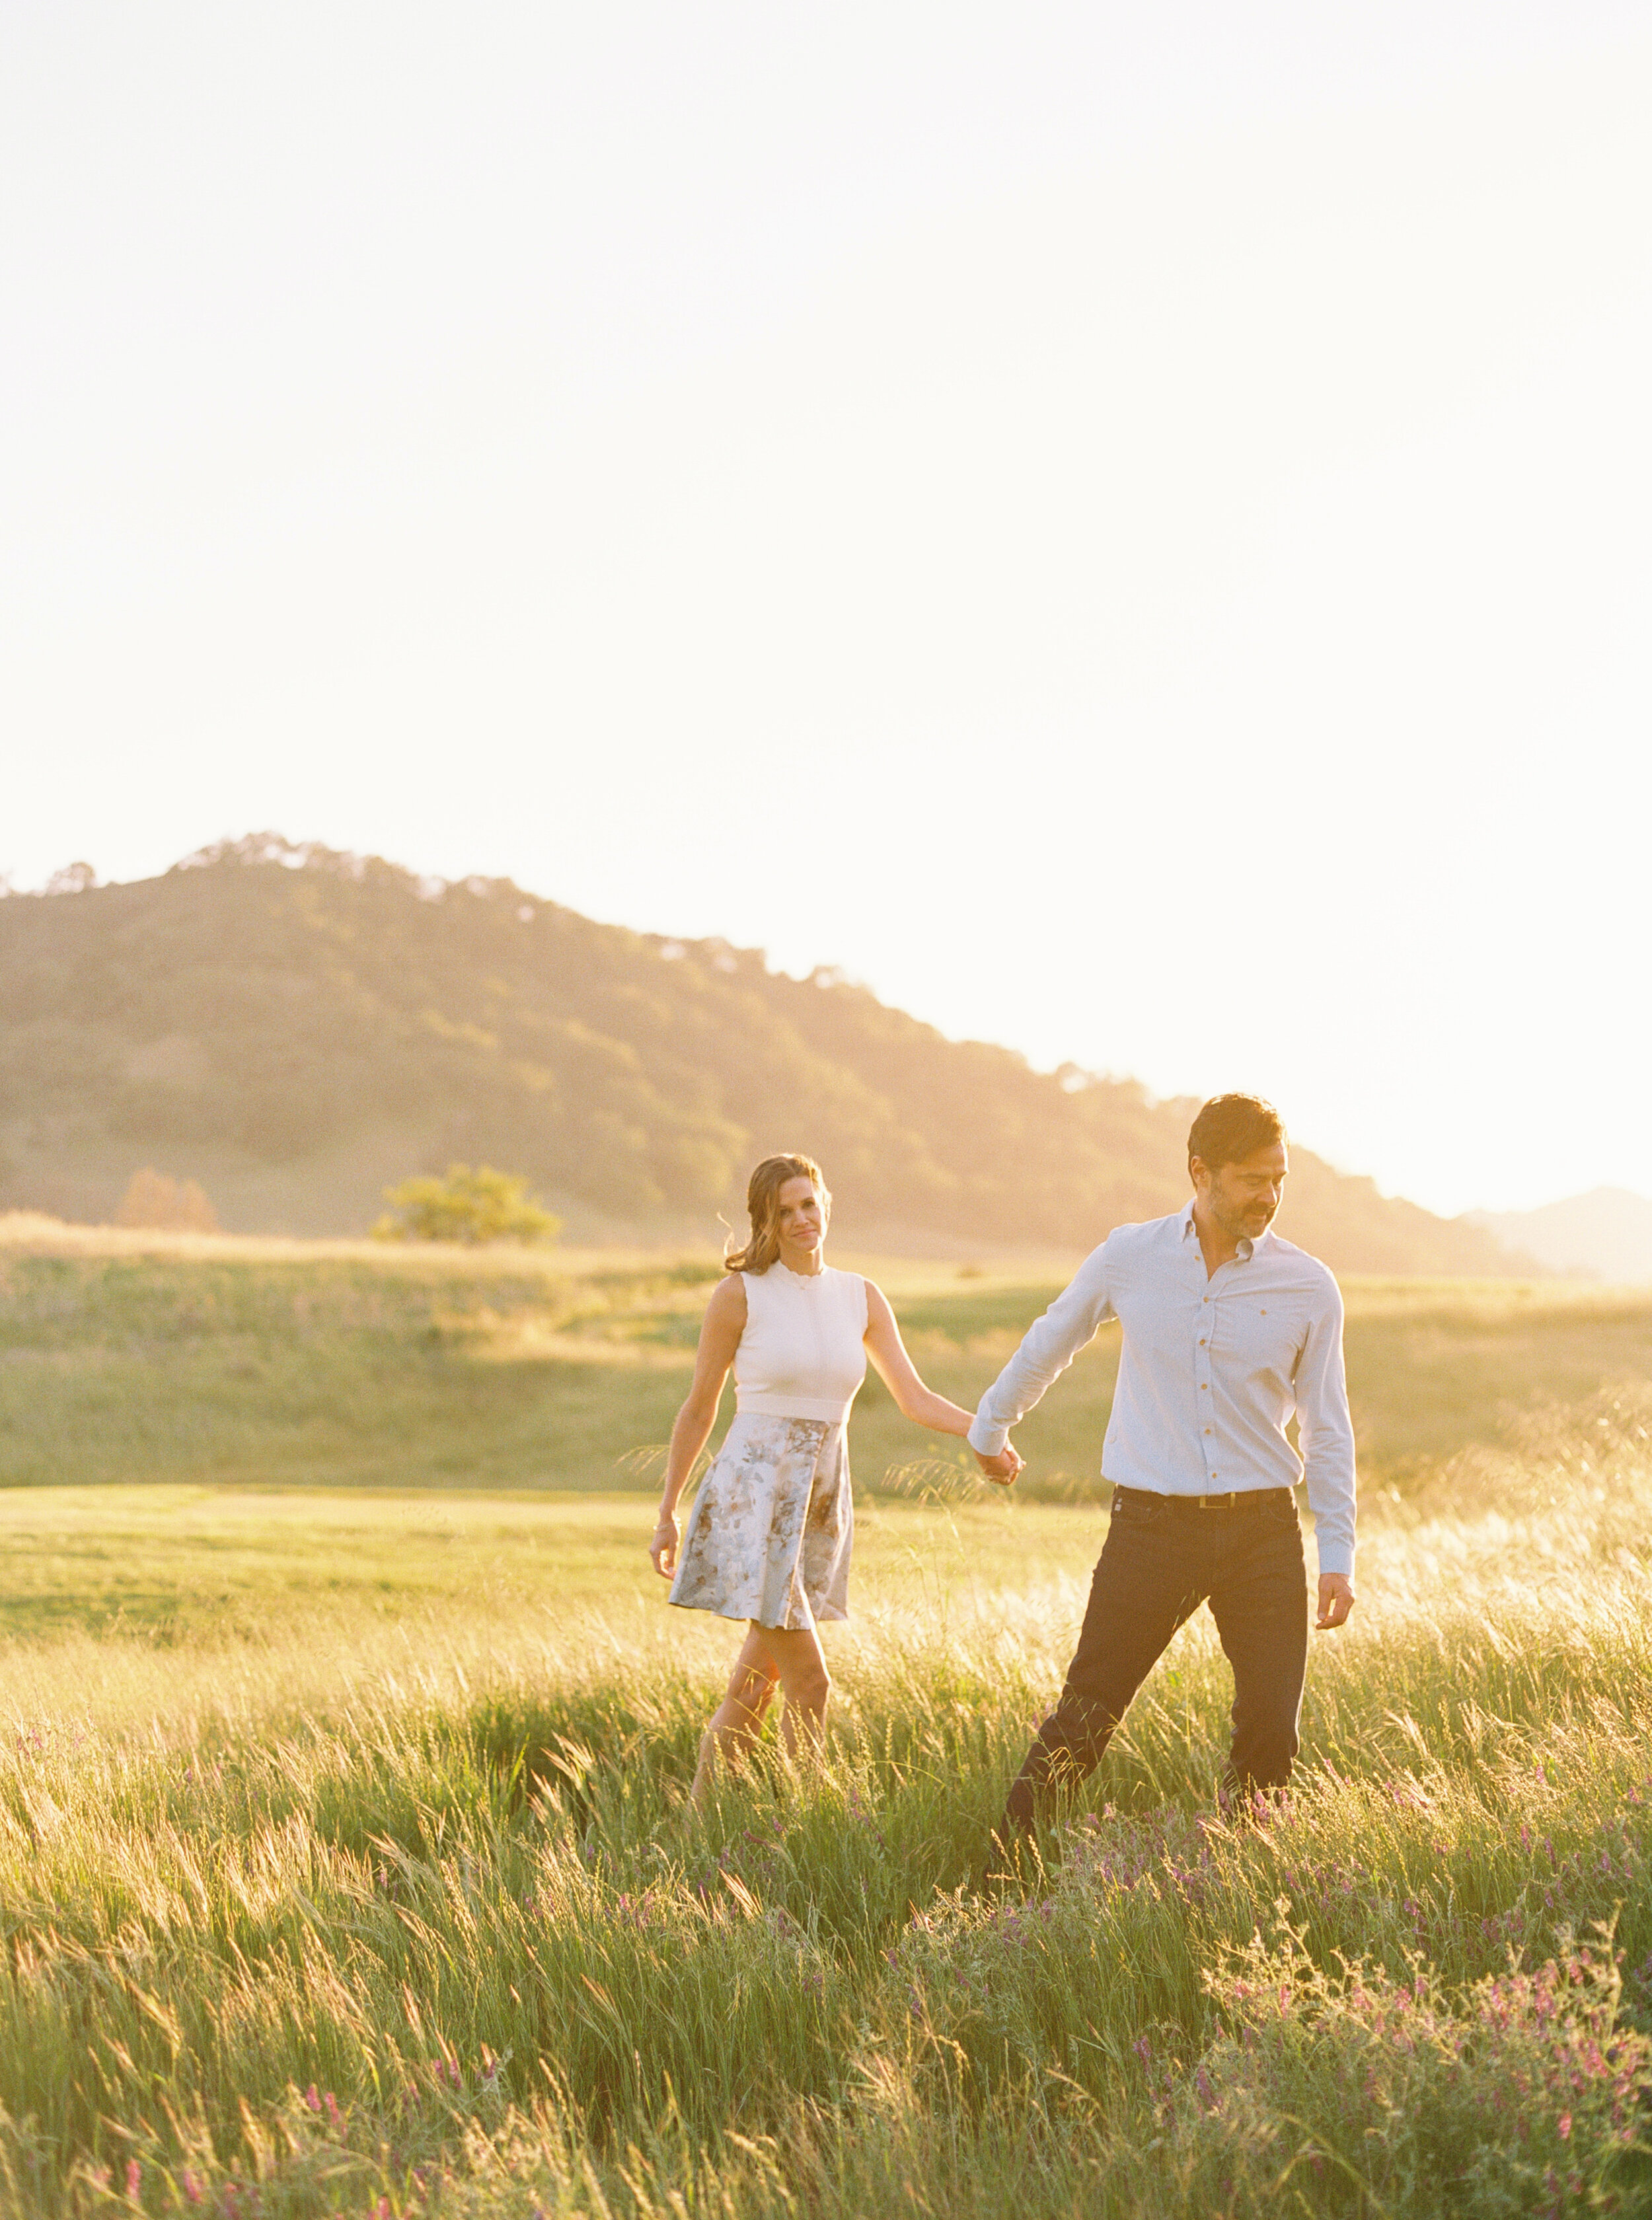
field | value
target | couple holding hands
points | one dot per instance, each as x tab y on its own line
1228	1332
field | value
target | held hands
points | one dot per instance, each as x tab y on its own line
1003	1468
664	1547
1335	1601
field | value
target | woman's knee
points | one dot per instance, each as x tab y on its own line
809	1684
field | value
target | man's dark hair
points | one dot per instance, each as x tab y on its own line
1230	1127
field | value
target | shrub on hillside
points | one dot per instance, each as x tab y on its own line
465	1205
157	1203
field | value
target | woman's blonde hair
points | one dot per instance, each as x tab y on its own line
763	1207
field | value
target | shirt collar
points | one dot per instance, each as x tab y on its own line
1190	1232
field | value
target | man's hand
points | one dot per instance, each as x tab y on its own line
1002	1468
664	1547
1335	1601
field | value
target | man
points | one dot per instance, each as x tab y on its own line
1227	1331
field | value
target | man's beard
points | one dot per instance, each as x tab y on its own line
1244	1221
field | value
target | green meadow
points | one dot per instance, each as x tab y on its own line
318	1365
344	1861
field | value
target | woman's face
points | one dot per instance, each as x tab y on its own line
801	1219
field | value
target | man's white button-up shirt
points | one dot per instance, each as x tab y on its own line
1211	1369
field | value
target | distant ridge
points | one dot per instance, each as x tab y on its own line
294	1028
1606	1233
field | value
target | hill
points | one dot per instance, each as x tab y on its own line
294	1028
1606	1234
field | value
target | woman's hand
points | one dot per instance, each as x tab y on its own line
1002	1468
664	1547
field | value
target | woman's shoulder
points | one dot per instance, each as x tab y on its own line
728	1297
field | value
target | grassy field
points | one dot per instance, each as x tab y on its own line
314	1364
359	1882
344	1864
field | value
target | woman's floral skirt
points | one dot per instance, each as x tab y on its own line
769	1534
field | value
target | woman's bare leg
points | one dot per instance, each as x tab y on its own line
790	1657
738	1720
800	1665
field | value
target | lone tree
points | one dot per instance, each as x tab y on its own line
153	1201
465	1205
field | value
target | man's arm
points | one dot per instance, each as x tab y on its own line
1048	1347
1326	1435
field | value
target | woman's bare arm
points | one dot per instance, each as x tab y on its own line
720	1337
912	1400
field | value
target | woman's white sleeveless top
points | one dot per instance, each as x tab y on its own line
803	1352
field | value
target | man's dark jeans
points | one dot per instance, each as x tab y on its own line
1163	1558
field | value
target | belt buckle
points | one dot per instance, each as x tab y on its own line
1217	1502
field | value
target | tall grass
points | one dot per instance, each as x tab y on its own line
411	1918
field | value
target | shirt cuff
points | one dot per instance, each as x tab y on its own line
986	1440
1336	1557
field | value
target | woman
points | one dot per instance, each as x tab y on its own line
769	1534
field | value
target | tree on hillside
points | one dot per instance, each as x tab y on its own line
465	1205
72	879
159	1204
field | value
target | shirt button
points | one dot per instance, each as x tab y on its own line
1204	1386
1210	1430
1201	1341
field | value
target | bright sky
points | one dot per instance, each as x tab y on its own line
1128	528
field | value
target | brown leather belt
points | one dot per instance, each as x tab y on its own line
1237	1499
